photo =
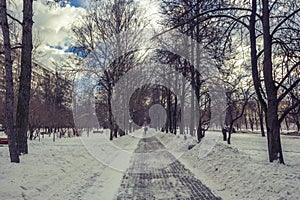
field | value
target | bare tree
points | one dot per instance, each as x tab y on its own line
9	108
275	25
236	107
22	117
111	34
182	16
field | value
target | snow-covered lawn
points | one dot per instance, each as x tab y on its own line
242	170
93	167
70	168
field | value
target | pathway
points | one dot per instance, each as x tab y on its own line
154	173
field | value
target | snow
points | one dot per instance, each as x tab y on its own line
242	170
65	169
93	167
2	134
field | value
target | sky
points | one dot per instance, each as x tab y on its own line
52	26
76	3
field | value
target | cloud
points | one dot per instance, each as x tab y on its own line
53	27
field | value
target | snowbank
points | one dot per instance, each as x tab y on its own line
241	171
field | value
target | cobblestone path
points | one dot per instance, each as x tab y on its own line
154	173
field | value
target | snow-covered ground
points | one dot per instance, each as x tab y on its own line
93	167
242	170
70	168
2	134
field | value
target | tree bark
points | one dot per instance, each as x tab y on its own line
261	119
9	98
287	125
192	71
182	102
200	134
230	130
110	115
273	135
175	116
273	124
298	125
169	110
246	121
25	78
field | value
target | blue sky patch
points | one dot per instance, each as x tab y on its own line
75	3
56	47
79	51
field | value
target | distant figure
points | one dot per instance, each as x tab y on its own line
145	130
224	132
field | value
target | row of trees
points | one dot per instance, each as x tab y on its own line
266	34
31	106
254	46
50	103
111	33
17	135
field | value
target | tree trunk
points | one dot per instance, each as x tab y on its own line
256	121
31	131
261	119
110	115
192	119
254	65
193	82
200	132
115	129
246	121
9	97
298	125
229	133
169	108
287	124
25	78
175	104
273	133
273	124
175	117
182	101
252	124
53	135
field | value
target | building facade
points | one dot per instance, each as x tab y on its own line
51	96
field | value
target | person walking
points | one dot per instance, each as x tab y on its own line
145	130
224	132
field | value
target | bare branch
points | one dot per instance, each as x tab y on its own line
283	21
15	19
288	110
12	48
283	95
288	73
214	16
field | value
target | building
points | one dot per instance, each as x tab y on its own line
51	95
